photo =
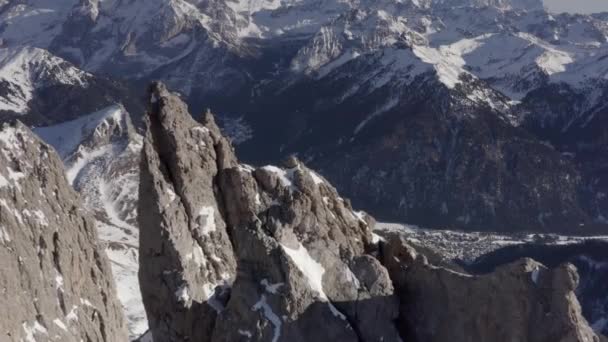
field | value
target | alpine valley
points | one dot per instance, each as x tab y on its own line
483	121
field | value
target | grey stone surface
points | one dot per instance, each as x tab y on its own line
303	257
186	257
290	251
521	301
278	255
56	282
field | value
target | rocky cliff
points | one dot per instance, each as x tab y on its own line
55	282
186	257
521	301
229	252
590	258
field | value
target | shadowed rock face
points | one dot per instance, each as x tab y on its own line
520	301
437	161
229	252
55	282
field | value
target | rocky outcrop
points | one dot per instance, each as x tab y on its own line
234	253
303	261
56	282
186	257
521	301
590	258
301	251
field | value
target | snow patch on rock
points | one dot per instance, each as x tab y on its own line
263	306
206	220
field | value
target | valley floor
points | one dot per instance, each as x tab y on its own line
466	247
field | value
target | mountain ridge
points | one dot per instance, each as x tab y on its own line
299	255
511	60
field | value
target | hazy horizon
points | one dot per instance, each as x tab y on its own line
580	6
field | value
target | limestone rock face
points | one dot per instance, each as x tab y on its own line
56	281
303	262
521	301
230	252
186	257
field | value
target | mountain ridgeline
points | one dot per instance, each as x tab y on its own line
229	252
135	221
471	114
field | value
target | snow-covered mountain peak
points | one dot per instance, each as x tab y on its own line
138	39
97	128
87	8
527	5
22	70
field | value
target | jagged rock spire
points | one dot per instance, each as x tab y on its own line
186	257
300	250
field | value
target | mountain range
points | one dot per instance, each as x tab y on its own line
407	106
231	252
478	115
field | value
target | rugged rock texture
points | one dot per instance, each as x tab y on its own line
300	248
186	257
56	282
589	257
302	256
521	301
233	253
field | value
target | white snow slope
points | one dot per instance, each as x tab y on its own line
23	70
101	154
